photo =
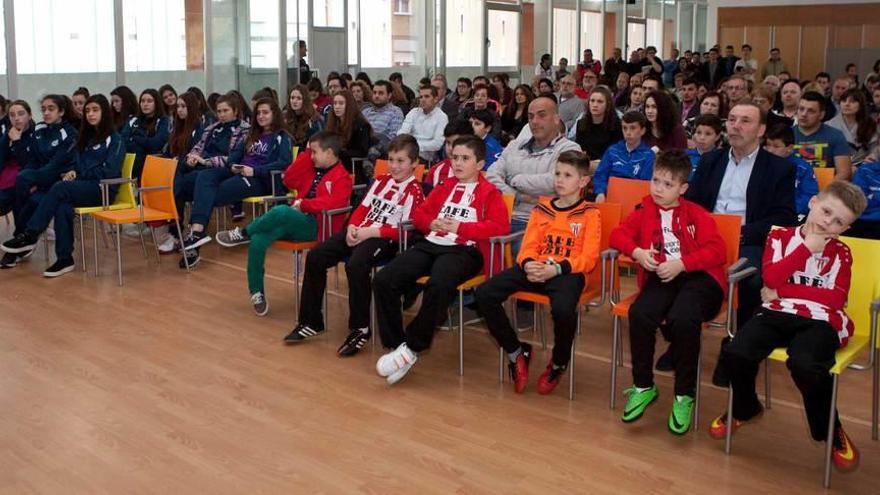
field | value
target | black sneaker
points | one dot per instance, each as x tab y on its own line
192	257
21	243
9	260
59	268
196	239
301	333
664	362
261	305
232	238
354	342
237	211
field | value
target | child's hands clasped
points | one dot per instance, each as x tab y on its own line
645	258
668	270
538	272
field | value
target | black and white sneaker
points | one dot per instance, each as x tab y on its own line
301	333
192	257
196	239
261	305
21	243
232	238
9	260
354	342
59	268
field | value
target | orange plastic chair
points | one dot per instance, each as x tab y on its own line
824	176
470	284
729	228
381	168
594	293
156	203
628	193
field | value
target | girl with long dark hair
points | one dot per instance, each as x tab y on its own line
99	152
857	126
516	114
301	117
346	119
149	131
208	116
13	151
169	99
249	173
599	128
124	104
664	125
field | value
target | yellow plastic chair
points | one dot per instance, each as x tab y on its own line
471	283
824	176
156	203
124	199
862	307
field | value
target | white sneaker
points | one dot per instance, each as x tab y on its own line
135	231
167	244
396	364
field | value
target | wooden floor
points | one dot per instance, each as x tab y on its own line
170	384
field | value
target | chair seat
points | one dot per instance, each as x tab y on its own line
295	245
132	215
85	210
254	199
468	284
622	308
843	357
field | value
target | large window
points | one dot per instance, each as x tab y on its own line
565	39
331	13
464	26
155	35
376	35
61	36
504	38
263	31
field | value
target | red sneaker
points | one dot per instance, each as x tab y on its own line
718	427
844	453
549	379
519	370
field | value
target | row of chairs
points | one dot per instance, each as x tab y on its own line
154	201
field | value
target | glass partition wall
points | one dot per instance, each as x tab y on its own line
249	44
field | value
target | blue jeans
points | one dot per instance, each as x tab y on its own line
220	187
58	204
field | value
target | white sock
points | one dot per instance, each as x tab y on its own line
641	389
364	330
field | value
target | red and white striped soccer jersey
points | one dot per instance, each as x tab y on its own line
387	204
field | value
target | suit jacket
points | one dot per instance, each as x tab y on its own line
769	195
694	111
709	79
729	64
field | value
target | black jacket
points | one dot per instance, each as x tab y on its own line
769	195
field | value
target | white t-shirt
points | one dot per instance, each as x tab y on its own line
457	207
671	245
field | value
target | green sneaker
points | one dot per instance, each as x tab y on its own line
638	402
680	417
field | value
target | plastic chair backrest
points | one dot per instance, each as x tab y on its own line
294	151
628	193
864	284
381	168
159	171
125	193
610	216
824	176
729	227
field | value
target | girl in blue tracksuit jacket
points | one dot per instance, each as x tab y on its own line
186	129
98	153
868	179
13	155
149	130
248	172
46	154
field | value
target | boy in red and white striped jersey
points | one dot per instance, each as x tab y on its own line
806	273
370	238
442	170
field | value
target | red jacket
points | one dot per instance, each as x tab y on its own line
334	190
809	285
702	247
493	218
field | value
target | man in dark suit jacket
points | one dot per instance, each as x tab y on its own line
719	183
729	61
712	71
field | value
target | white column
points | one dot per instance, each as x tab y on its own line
11	61
282	48
207	32
119	41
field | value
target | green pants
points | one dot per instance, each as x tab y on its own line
279	223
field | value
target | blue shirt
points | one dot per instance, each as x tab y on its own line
695	155
821	147
618	161
493	150
732	193
868	179
805	184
